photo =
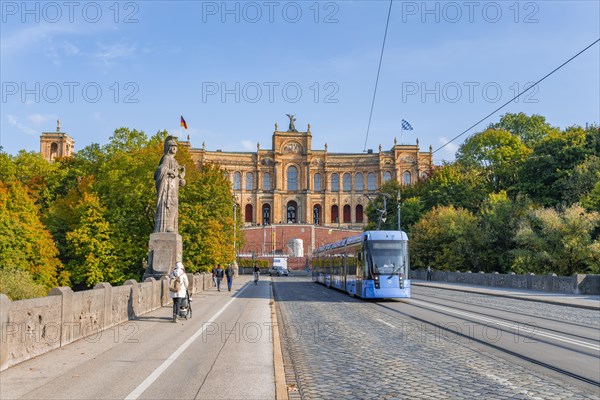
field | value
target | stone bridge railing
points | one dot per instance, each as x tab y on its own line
35	326
575	284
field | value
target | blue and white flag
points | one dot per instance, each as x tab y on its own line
406	126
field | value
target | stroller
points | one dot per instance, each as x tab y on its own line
185	309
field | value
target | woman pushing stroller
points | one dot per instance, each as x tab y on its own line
178	288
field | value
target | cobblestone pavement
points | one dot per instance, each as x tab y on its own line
341	348
546	310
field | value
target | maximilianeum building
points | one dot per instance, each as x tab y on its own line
292	183
293	198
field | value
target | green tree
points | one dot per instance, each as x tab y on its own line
530	129
454	185
498	153
91	251
446	239
498	220
558	241
542	175
206	219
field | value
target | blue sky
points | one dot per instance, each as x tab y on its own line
233	69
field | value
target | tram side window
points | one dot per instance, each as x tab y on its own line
337	261
351	262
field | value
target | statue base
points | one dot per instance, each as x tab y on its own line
165	250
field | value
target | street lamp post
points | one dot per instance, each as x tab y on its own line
234	227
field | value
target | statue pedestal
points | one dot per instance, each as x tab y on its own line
165	250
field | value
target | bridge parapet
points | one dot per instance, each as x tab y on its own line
32	327
575	284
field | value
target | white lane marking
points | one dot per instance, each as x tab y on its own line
517	327
137	392
387	323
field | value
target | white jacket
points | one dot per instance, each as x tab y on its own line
178	273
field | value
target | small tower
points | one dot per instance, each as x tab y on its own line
56	144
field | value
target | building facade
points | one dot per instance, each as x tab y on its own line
56	144
292	183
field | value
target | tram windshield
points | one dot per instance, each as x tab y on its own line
388	258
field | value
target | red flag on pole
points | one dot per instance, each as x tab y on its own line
182	123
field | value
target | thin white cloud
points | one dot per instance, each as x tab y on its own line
108	54
13	121
450	148
39	119
247	145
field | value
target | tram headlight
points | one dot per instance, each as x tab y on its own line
376	279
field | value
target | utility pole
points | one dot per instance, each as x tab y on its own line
398	200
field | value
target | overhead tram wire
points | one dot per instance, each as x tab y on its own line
514	98
378	71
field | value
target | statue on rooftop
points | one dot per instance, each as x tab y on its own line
292	118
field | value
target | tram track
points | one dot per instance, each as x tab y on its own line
484	314
470	304
433	327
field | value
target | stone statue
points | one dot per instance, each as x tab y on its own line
169	176
292	118
276	127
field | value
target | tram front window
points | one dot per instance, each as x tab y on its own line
387	258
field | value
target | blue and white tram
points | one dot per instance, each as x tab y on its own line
371	265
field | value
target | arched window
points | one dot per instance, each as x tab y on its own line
335	183
249	181
317	214
387	175
358	182
317	183
53	150
266	213
248	213
406	178
237	181
292	208
292	178
334	214
371	181
359	213
266	181
347	214
347	182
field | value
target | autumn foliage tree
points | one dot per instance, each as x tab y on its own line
26	247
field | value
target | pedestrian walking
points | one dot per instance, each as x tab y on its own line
256	274
218	274
229	272
178	287
214	276
428	273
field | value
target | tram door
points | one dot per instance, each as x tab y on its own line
344	270
360	255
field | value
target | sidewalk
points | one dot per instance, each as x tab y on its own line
225	351
591	302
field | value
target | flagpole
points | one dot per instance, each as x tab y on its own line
401	134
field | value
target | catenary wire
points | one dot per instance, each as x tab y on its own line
377	79
514	98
